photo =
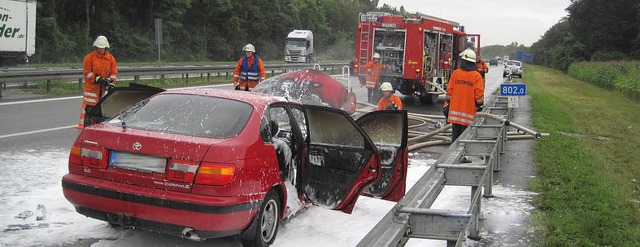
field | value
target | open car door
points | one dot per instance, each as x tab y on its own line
340	160
388	130
119	99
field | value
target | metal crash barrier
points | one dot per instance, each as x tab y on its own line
412	217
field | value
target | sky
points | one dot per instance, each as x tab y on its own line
499	22
313	226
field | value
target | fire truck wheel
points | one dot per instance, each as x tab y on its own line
429	99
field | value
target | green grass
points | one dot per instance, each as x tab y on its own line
623	76
585	166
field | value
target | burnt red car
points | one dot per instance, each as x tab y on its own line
209	163
311	87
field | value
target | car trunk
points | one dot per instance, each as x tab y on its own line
147	159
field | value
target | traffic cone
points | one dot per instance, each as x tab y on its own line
81	124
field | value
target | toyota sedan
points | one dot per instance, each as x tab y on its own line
209	163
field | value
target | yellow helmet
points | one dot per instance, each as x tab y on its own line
376	55
101	42
249	47
386	86
468	55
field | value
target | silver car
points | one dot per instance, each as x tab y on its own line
515	67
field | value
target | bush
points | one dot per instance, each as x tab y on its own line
621	75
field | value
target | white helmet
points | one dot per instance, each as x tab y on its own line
468	55
249	47
376	55
101	42
386	86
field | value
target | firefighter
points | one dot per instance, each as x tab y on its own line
482	67
388	101
465	93
249	70
100	74
373	78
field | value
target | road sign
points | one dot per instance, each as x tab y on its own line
512	102
513	89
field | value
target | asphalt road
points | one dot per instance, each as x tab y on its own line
33	122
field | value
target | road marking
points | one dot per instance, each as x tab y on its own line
39	100
80	97
37	131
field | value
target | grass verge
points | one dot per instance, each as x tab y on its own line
588	166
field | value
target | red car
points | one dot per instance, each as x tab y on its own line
310	87
209	163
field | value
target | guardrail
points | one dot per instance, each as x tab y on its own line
72	74
412	216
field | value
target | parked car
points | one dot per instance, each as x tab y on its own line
493	61
207	163
311	87
514	66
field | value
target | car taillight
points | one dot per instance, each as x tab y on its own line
182	171
74	156
94	157
215	174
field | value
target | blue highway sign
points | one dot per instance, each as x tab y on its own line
515	89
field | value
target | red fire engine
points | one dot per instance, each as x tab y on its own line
420	51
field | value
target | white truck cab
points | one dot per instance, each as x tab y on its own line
299	47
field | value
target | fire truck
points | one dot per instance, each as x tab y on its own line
420	51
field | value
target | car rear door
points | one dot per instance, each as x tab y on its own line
340	160
119	99
388	130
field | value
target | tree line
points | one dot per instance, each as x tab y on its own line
194	30
594	30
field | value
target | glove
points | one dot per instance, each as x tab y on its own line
111	86
102	81
479	107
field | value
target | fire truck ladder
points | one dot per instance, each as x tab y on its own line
365	41
413	217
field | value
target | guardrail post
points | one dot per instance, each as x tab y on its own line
2	85
136	78
162	78
209	76
226	75
186	79
273	72
48	86
474	230
80	85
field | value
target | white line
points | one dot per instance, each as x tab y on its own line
39	100
36	131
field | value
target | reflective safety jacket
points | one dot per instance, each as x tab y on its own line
466	88
97	65
373	74
385	104
248	73
482	68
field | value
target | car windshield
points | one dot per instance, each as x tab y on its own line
191	115
513	63
296	43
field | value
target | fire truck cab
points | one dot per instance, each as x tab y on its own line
420	51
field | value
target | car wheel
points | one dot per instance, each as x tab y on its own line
350	103
429	99
267	219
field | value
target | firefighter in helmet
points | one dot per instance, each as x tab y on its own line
100	74
465	93
372	81
388	101
249	70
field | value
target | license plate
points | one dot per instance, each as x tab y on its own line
138	162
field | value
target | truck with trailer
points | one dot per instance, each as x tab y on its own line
299	47
17	31
419	51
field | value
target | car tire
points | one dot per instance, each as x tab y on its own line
350	103
267	219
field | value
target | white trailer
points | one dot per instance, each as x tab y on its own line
299	47
17	31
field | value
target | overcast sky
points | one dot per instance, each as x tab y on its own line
497	21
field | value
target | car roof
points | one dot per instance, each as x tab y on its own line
256	99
